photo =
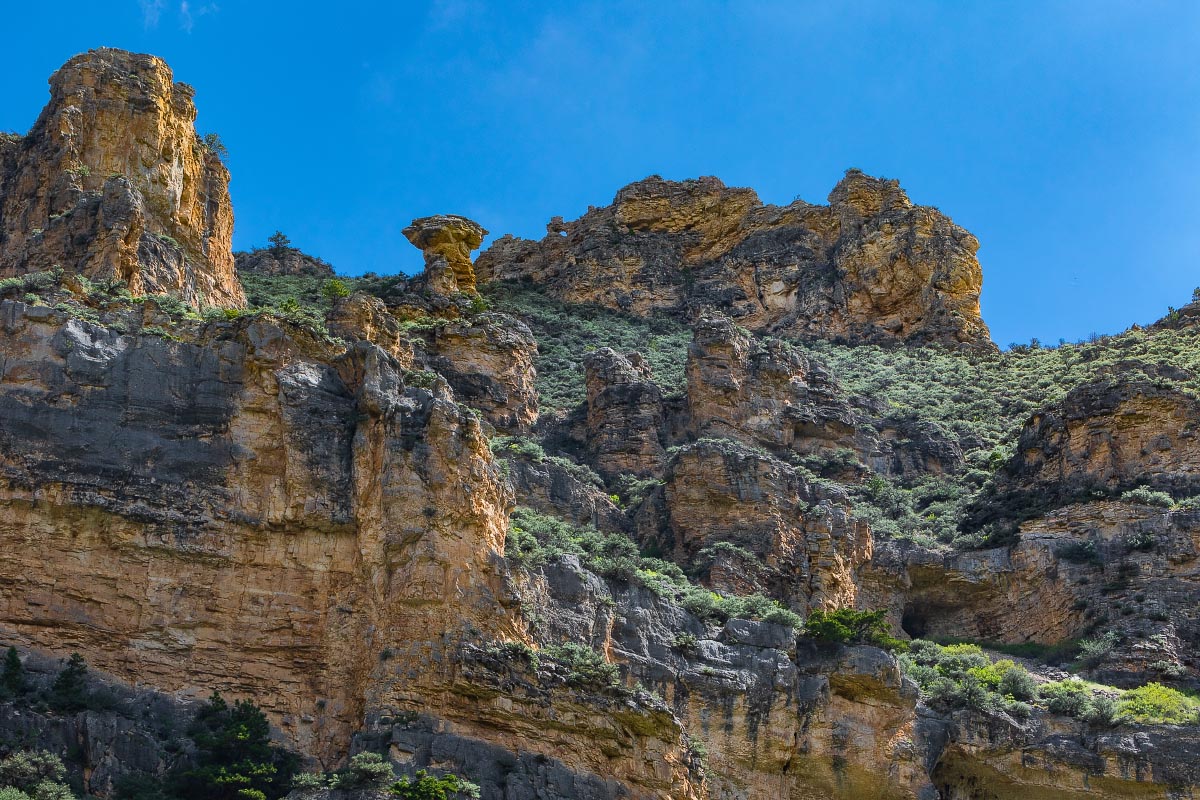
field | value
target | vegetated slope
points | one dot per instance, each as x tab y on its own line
980	398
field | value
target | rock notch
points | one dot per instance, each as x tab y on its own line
113	182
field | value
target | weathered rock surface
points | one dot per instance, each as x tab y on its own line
1091	568
1103	438
804	546
361	317
870	266
560	487
625	423
282	261
112	182
447	240
488	360
256	493
764	392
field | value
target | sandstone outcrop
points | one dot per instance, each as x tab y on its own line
1105	437
447	240
803	546
1089	569
361	317
261	495
868	267
625	425
319	517
488	360
764	392
282	261
113	182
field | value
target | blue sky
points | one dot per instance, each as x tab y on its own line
1065	135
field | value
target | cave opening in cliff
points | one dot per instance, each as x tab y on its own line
914	621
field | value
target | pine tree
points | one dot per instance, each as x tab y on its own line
69	691
12	679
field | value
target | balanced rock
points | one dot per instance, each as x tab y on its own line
447	241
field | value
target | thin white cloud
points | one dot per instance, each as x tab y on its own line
185	16
151	12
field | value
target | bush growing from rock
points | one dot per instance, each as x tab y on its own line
1159	704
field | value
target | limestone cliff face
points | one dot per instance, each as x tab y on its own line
764	392
318	518
1085	569
1103	438
113	182
870	266
260	494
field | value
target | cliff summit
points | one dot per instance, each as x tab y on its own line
113	182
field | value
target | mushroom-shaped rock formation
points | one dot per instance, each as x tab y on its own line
447	241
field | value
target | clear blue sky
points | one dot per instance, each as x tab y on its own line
1066	135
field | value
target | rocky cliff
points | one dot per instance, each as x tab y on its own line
113	182
870	266
711	572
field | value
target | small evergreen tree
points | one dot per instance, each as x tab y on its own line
12	679
235	759
69	693
279	241
335	288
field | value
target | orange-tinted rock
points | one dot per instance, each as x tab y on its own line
114	183
870	266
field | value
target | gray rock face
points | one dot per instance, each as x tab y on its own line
165	411
625	416
138	733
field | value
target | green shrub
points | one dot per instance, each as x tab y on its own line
686	643
1079	552
585	667
33	775
1147	497
212	143
847	625
1018	684
365	771
1070	697
69	692
335	289
428	787
1093	652
309	781
235	759
566	333
1156	703
12	678
519	446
